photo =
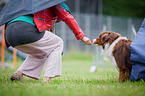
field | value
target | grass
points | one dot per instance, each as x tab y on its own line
76	80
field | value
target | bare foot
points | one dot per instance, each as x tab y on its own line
46	79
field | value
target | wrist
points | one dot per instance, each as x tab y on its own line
82	39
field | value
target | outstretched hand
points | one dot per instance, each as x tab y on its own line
86	40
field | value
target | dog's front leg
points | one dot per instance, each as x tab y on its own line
124	75
121	76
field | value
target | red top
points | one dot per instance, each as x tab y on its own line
46	18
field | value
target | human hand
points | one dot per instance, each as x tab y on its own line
52	29
86	40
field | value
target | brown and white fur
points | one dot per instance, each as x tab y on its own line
117	49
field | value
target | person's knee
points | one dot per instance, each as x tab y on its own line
40	55
59	41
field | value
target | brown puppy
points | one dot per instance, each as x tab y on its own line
117	49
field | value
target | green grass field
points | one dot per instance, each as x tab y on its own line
76	80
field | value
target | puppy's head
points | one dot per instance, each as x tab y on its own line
105	38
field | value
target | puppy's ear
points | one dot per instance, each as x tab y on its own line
104	38
113	36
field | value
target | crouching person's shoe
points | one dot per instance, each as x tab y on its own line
16	77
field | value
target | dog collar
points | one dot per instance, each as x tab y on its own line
109	48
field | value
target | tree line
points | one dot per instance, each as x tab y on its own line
126	8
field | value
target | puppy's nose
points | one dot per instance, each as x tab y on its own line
93	40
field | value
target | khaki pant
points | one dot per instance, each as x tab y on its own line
48	49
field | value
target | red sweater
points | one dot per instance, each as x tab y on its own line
46	18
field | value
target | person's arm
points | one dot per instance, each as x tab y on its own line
71	22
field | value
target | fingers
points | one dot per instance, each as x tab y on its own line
86	40
52	29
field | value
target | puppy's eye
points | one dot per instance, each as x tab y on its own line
103	38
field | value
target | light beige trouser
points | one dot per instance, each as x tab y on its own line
49	48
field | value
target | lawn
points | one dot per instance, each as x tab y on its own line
76	80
